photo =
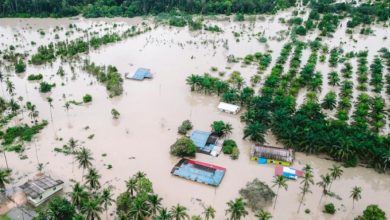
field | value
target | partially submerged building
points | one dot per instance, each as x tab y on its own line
288	172
41	189
275	155
199	172
206	142
140	74
229	108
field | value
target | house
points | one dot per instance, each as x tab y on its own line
206	142
288	172
199	172
140	74
275	155
41	189
226	107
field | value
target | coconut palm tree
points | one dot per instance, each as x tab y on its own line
139	175
154	203
280	182
10	87
5	156
263	215
78	195
92	178
236	209
106	199
139	209
179	212
50	101
163	214
308	180
72	144
356	195
5	175
256	132
92	209
209	213
335	172
194	81
131	186
324	184
84	158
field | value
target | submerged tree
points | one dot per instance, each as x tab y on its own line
209	213
279	182
356	194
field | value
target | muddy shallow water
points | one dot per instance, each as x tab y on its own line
152	110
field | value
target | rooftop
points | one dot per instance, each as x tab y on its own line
34	188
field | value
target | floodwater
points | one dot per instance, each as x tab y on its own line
152	110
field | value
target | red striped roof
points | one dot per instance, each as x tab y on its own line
206	164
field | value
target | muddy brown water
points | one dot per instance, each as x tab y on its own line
152	110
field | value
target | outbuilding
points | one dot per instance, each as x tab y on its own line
229	108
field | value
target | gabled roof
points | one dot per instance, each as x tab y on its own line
200	138
34	188
142	73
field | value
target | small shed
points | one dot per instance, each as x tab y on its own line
288	172
273	155
141	74
206	142
41	189
230	108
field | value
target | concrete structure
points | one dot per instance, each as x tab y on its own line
41	189
275	155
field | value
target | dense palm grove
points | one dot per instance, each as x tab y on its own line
349	137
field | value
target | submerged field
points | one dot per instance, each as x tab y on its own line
151	111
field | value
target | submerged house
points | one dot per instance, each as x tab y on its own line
275	155
229	108
140	74
288	172
41	189
199	172
206	142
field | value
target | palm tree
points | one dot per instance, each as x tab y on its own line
84	158
92	209
334	79
179	212
154	203
236	209
193	81
263	215
324	183
196	217
139	209
5	175
356	194
5	156
92	178
209	213
1	82
78	195
50	101
106	199
139	175
280	182
131	186
10	87
335	172
256	131
163	214
72	144
308	179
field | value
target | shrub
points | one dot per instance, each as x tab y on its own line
20	66
228	146
184	127
235	153
372	212
183	147
329	208
45	87
87	98
115	114
33	77
258	194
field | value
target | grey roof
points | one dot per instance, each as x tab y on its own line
34	188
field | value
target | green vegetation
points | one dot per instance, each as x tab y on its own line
258	194
20	66
106	75
21	133
34	77
183	147
228	146
45	87
115	113
329	208
184	127
87	98
372	212
221	128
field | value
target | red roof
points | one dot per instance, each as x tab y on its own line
206	164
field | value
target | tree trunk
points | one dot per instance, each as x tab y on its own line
5	158
276	198
303	196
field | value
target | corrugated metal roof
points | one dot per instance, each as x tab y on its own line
142	73
200	138
34	188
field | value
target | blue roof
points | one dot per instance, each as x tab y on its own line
142	73
200	138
